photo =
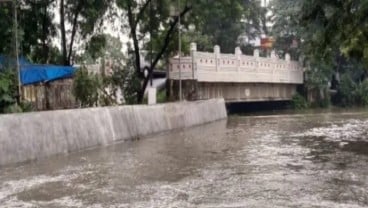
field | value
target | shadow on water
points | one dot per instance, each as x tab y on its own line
358	147
257	107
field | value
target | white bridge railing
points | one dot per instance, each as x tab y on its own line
238	68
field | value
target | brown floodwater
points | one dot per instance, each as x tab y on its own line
303	160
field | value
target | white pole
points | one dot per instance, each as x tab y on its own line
17	49
179	34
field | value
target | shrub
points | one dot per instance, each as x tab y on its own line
361	93
299	102
346	91
85	88
161	96
8	91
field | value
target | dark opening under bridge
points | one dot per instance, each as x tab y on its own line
234	77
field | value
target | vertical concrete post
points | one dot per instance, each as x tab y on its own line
193	50
238	54
288	60
273	66
256	53
152	96
273	55
216	50
287	57
256	56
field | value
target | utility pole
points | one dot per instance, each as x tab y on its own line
17	49
151	44
179	36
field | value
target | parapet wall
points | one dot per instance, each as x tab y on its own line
217	67
37	135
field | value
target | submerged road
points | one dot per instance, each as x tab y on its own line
314	160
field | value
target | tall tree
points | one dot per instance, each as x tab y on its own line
82	17
138	13
7	28
152	23
36	23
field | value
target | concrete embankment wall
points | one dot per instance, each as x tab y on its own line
32	136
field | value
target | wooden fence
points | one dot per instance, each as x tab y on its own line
50	96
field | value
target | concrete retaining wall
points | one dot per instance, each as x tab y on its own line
31	136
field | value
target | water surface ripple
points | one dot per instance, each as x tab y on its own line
318	160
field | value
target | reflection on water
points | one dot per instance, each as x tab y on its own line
314	160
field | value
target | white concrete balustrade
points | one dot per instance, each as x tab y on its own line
235	68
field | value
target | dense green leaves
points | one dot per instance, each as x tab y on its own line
333	39
85	88
6	29
8	90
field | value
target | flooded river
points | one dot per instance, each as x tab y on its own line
314	160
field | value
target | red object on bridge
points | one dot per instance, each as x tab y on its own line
267	43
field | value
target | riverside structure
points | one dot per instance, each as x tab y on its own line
31	136
235	77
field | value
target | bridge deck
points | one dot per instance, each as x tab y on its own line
238	77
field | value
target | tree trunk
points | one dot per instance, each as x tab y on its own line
167	40
133	33
74	30
63	35
45	47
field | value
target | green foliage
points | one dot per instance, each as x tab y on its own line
85	88
216	23
37	30
351	93
102	46
129	82
26	106
332	37
7	28
299	102
361	93
92	90
161	96
346	91
130	90
327	28
96	46
8	91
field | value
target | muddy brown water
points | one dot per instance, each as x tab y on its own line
305	160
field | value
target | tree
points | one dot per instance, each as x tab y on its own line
38	30
6	29
153	22
332	38
138	13
86	87
82	16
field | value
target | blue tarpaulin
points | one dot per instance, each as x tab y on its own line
31	74
36	73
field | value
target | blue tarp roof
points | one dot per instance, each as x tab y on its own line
36	73
31	74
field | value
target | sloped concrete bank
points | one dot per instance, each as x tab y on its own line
37	135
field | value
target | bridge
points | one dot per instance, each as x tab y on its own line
234	77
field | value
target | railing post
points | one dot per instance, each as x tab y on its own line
256	56
256	53
216	50
288	60
273	55
193	50
238	54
